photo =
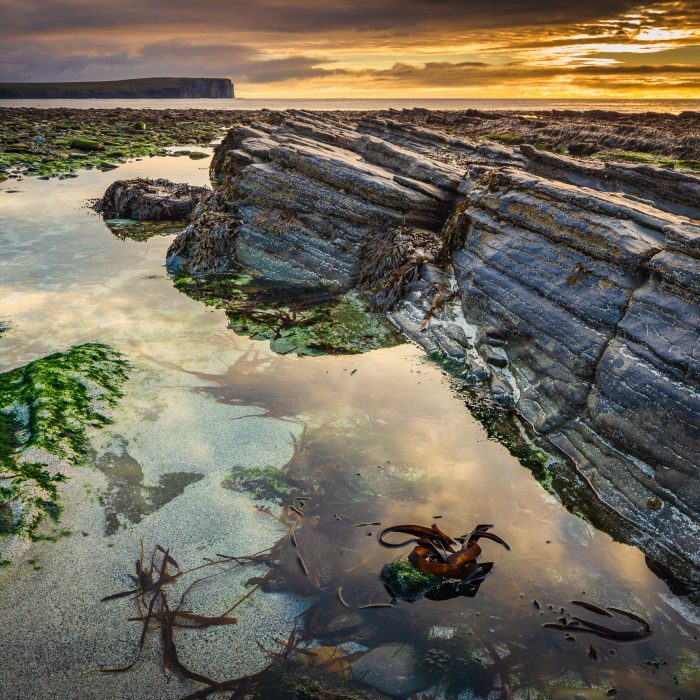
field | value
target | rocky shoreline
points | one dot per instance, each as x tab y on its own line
58	142
563	292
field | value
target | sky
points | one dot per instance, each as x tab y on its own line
365	48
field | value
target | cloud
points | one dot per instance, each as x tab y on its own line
20	61
298	16
373	47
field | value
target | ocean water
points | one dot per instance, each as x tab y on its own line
668	106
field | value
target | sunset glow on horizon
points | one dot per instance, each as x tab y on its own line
386	48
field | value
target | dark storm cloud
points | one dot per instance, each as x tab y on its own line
296	16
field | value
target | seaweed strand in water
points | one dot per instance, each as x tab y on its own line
580	625
155	611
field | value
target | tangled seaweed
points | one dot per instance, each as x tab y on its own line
155	611
438	555
390	264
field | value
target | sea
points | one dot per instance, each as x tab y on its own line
520	105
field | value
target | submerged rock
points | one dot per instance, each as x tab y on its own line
295	318
263	483
391	669
405	582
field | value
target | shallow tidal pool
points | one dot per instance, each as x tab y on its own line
221	449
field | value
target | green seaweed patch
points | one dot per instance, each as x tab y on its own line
141	231
300	320
263	483
502	137
405	582
649	159
46	408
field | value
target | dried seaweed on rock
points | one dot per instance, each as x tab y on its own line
390	263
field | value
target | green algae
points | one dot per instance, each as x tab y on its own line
50	146
46	408
263	483
405	582
649	159
299	320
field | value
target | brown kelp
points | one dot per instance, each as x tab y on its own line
436	552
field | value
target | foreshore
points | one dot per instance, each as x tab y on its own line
47	142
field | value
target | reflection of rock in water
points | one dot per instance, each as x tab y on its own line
546	280
297	319
142	230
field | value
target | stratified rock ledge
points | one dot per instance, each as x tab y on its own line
569	289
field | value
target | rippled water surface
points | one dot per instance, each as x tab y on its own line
381	437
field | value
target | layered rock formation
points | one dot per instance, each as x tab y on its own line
569	289
580	133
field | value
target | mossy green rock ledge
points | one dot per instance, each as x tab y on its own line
46	408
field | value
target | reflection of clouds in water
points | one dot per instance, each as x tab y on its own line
48	226
98	291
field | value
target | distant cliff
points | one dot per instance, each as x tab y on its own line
138	88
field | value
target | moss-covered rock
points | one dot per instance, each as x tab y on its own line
46	408
84	144
405	582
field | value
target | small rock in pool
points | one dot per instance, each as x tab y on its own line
389	668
